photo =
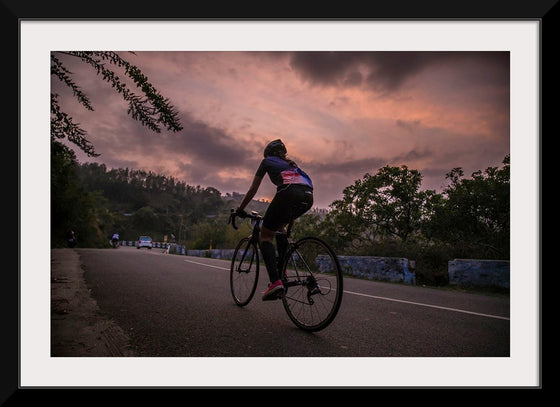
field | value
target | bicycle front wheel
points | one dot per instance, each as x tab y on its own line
313	282
244	273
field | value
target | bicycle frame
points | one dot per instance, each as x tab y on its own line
253	238
310	282
295	272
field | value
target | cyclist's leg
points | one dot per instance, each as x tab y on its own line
286	206
269	253
275	289
282	246
275	218
271	223
296	201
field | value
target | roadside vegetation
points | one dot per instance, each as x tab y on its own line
385	213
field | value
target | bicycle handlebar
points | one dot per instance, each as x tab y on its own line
234	214
231	219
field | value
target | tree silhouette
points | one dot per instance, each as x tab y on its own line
150	108
387	204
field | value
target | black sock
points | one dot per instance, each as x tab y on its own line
269	256
282	244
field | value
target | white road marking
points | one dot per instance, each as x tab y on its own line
207	265
387	298
428	305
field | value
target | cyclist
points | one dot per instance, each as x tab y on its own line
294	197
71	238
115	239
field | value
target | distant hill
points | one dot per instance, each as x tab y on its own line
138	202
234	199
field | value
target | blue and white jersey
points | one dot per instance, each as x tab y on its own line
281	173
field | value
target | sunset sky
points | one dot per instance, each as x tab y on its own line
340	114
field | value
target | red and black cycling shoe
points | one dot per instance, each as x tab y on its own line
274	291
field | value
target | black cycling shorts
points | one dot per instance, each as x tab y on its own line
289	203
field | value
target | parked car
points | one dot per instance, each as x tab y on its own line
144	241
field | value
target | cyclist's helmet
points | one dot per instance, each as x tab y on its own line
275	148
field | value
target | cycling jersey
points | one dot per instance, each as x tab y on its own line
282	174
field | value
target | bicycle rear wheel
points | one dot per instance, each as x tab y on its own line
244	272
313	281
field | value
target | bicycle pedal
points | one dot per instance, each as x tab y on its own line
279	295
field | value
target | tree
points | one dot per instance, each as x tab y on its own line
72	206
145	219
475	212
385	205
151	109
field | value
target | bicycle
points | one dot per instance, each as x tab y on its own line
310	272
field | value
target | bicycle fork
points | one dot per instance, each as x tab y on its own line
243	257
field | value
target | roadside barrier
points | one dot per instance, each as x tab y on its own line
462	272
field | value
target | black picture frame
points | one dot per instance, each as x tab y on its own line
14	11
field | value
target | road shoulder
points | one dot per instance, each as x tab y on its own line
77	326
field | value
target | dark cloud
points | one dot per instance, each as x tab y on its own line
388	70
365	165
353	79
391	69
209	145
410	125
412	156
350	167
326	68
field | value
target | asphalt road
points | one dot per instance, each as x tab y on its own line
178	306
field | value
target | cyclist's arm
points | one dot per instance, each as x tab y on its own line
251	192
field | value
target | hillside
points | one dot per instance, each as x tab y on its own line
135	202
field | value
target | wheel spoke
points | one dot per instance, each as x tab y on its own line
314	285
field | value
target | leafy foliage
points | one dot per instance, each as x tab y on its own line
136	202
385	214
386	204
475	212
62	126
150	107
72	206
